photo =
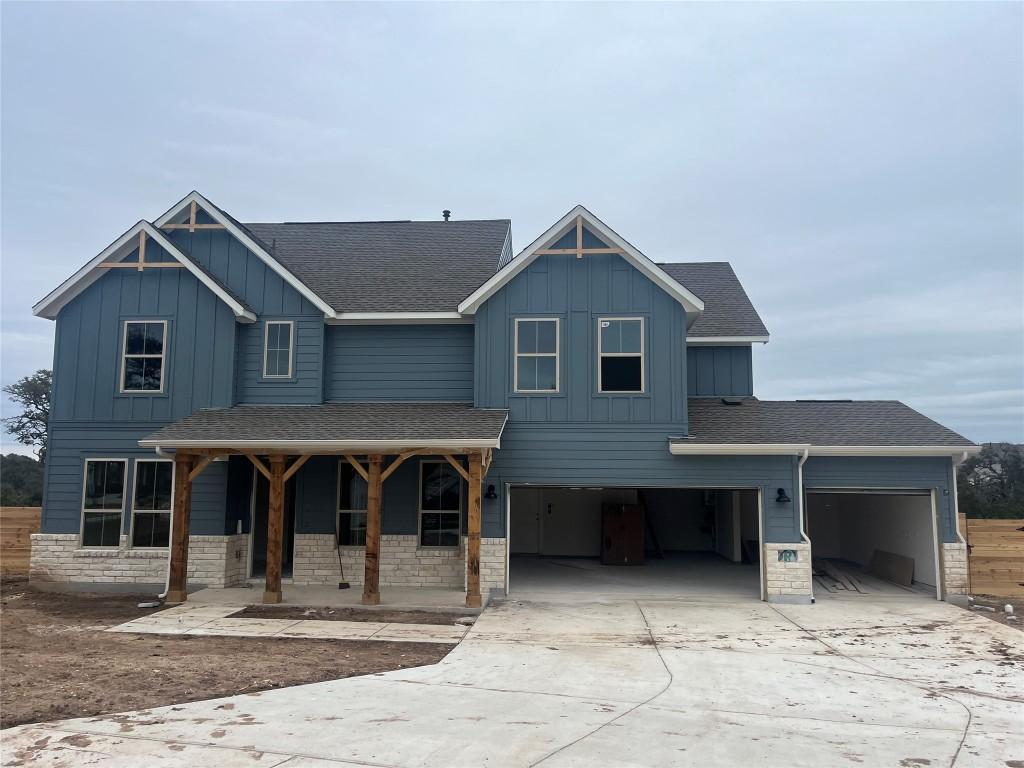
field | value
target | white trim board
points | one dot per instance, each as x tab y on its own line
217	215
694	306
739	449
396	318
58	298
736	341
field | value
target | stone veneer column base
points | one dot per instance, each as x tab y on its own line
215	561
954	568
402	563
787	572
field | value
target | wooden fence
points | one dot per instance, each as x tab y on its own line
17	524
996	556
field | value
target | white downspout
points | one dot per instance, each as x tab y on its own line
167	579
800	502
956	500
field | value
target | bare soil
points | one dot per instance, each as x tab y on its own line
998	615
384	616
56	662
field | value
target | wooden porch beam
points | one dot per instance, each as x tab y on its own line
458	467
571	251
275	530
473	597
192	217
147	265
371	575
579	237
197	470
177	583
296	467
358	467
488	456
142	250
259	465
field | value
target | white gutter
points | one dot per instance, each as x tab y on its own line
390	318
734	449
323	446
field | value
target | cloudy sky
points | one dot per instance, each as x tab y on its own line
860	165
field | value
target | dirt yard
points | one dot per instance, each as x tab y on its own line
998	614
292	612
56	661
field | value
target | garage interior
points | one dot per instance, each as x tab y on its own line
639	540
867	542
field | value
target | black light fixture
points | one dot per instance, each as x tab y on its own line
490	493
782	498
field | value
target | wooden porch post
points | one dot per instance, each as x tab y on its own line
473	599
177	587
371	577
275	530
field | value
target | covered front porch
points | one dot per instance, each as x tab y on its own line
374	440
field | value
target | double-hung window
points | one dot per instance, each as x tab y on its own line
351	506
103	502
440	504
142	368
536	345
620	352
278	340
151	502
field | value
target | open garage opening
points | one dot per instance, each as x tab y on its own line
678	541
873	542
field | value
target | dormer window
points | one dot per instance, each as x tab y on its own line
620	352
277	349
536	364
143	360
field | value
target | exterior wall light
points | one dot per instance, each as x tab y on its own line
781	497
490	493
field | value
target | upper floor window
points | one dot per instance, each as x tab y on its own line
351	506
103	502
440	504
277	349
151	503
620	352
536	345
143	366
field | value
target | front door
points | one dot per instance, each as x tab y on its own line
260	508
525	520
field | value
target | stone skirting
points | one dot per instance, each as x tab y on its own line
402	563
216	561
954	568
787	572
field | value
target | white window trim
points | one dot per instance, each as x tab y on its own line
133	511
291	348
342	464
124	493
421	511
643	362
516	354
162	356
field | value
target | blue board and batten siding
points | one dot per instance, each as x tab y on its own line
719	371
400	362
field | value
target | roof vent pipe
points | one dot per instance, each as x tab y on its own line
446	213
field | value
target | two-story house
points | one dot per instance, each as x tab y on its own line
410	403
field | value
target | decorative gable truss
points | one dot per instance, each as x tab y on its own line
580	233
129	252
195	212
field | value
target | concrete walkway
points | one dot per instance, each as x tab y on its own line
584	681
199	619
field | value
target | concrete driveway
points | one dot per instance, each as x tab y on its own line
581	681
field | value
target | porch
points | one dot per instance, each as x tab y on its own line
374	440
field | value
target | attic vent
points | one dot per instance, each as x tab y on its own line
732	400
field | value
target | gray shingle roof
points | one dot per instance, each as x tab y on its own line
416	423
727	308
400	266
831	423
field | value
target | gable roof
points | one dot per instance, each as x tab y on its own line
872	427
122	247
728	313
244	236
389	266
526	257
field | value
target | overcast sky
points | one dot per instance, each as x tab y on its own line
860	165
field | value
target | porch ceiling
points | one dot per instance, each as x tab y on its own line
335	427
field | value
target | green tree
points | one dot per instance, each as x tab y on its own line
991	484
21	481
32	393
